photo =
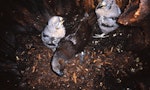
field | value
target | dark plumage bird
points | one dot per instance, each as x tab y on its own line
72	44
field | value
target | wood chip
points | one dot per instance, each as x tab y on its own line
39	57
33	69
74	77
49	55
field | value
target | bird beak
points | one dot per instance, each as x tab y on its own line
61	22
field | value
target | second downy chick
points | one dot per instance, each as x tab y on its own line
107	13
53	32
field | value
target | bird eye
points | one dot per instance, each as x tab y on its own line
44	35
101	4
113	18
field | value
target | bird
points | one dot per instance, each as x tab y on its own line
53	32
107	13
72	44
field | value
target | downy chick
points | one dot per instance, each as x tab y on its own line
53	32
107	13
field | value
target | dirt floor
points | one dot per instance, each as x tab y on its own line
107	64
118	62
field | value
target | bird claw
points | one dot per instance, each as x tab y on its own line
82	54
100	36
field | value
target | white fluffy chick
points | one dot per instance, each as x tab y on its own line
107	13
53	32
